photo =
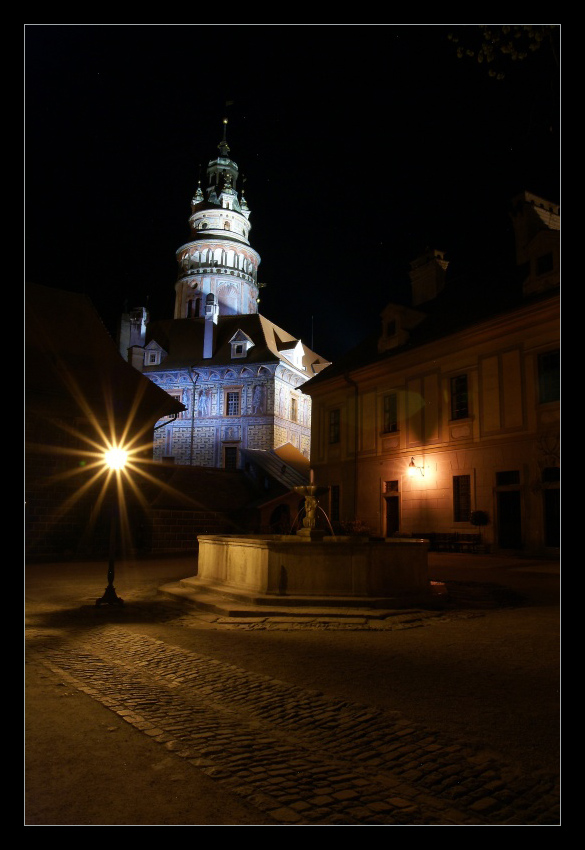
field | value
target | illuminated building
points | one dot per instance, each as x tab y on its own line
448	417
238	375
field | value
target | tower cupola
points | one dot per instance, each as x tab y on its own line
219	258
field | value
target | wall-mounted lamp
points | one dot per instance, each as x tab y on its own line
413	468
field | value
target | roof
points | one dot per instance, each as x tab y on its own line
467	300
73	368
182	339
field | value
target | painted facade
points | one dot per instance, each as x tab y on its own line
451	416
237	374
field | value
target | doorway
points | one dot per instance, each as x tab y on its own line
509	520
392	515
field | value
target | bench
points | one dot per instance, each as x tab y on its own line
450	541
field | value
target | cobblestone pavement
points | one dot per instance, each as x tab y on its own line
298	757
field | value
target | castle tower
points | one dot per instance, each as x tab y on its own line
237	374
218	260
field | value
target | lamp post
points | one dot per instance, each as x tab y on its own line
115	458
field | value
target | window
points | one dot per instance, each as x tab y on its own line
232	404
549	376
230	457
193	308
334	426
293	409
459	397
390	413
508	478
178	395
391	486
461	498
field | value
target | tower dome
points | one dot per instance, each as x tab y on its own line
219	258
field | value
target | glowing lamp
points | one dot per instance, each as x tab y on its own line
413	469
116	458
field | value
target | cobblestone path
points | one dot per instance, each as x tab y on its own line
295	755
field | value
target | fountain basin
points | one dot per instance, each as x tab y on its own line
296	565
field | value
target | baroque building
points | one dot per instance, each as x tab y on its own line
238	375
445	423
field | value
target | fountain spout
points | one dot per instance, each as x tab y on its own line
310	493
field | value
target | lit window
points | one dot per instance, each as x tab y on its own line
459	397
390	413
178	395
232	404
461	498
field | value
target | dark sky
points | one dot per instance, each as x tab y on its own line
361	145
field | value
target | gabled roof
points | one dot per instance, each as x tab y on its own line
183	339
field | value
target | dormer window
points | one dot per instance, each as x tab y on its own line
153	354
240	344
293	351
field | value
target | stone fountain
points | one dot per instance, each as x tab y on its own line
313	567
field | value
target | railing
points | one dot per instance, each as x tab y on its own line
215	269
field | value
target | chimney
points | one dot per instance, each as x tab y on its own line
132	330
136	357
427	276
211	314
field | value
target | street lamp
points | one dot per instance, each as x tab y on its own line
115	458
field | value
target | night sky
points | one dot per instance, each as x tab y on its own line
361	145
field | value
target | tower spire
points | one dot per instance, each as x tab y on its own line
223	146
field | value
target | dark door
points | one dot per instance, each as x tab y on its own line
392	515
509	520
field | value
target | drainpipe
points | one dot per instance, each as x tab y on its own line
356	442
194	382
